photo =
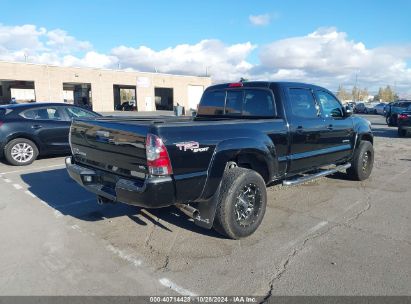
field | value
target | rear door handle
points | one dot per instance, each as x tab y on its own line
330	127
36	126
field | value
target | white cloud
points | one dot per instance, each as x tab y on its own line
90	59
213	56
259	20
328	56
325	57
21	37
61	41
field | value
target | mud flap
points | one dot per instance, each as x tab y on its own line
207	210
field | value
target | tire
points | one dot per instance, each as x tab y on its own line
20	152
388	121
402	132
363	161
365	111
234	219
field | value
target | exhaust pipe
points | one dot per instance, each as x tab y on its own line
188	210
102	200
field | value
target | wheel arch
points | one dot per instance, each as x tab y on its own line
248	153
366	137
25	136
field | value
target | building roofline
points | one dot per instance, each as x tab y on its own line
100	69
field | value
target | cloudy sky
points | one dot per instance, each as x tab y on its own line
323	42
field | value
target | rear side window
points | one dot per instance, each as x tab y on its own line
303	104
244	102
49	113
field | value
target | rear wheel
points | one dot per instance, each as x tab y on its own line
20	152
362	162
242	203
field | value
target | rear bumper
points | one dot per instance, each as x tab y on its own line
404	127
151	193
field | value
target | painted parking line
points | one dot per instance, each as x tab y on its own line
17	187
180	290
30	193
33	169
123	255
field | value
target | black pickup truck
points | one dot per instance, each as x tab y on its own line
215	166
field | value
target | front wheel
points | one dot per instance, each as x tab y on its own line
20	152
363	161
242	203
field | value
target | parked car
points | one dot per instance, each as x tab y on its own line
371	107
127	106
360	108
404	122
29	130
394	110
215	167
352	104
379	108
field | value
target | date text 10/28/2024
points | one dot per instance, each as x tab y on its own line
204	299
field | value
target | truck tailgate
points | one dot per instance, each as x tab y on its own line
114	146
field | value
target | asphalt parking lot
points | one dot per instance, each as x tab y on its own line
332	236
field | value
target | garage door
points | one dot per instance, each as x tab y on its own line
194	95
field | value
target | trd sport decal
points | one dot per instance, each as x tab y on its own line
191	145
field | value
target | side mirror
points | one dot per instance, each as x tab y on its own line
347	111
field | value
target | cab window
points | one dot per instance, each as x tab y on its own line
331	107
303	104
245	102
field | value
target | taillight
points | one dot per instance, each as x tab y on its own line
235	85
403	116
158	161
1	123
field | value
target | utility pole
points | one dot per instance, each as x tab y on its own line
355	86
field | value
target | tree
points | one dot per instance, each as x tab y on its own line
355	93
342	94
363	94
386	94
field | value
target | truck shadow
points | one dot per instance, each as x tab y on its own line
60	192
